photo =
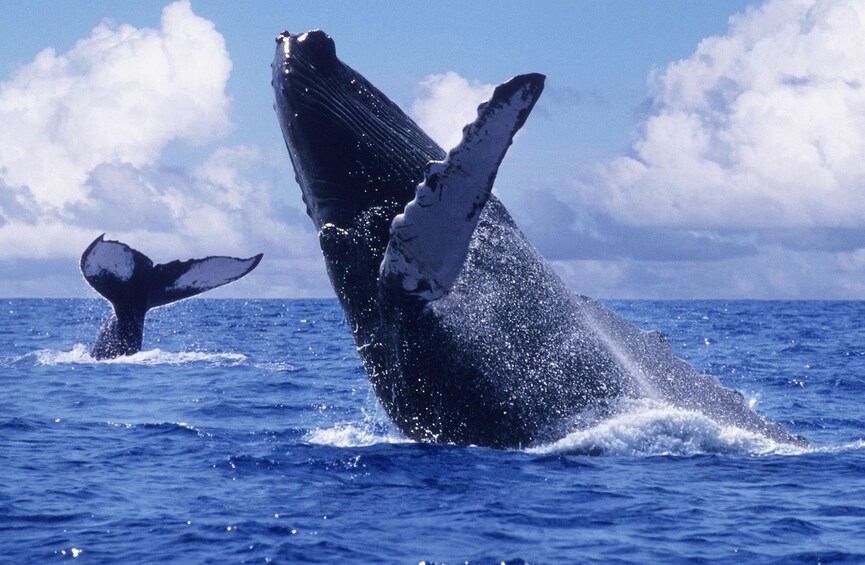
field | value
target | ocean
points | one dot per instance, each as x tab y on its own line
246	432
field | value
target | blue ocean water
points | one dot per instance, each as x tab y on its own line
245	431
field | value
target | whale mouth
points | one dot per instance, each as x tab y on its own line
351	147
313	48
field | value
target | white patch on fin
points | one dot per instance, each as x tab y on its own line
429	240
212	272
108	258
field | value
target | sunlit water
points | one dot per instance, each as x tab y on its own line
247	432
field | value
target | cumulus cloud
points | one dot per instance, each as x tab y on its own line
118	96
80	131
744	177
445	103
761	128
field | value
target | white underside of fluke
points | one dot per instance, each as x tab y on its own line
212	272
109	257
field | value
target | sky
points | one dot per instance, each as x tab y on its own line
680	149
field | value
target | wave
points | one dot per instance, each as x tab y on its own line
80	355
162	427
649	427
849	446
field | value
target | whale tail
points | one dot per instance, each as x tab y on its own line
130	281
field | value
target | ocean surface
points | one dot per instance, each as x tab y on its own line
246	432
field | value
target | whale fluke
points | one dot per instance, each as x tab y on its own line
429	240
130	281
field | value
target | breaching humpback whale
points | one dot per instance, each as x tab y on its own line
467	335
134	285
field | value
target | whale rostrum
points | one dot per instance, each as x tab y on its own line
466	333
130	281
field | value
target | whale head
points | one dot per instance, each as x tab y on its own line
352	148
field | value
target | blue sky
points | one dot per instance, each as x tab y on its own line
680	149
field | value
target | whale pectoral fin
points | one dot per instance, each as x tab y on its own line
429	240
181	279
111	266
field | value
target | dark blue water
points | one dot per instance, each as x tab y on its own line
246	432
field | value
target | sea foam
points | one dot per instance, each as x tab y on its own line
650	427
80	355
353	435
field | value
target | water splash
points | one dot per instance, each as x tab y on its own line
842	448
651	427
353	435
80	355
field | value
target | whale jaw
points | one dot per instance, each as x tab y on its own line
352	148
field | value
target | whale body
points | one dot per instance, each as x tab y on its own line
130	281
466	333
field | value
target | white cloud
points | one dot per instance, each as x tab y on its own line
43	240
763	127
444	104
118	96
